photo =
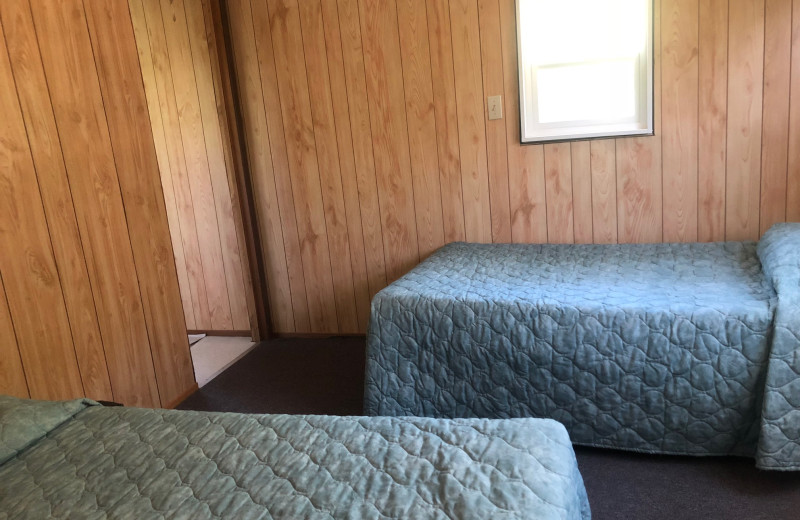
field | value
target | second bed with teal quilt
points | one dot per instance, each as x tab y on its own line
664	348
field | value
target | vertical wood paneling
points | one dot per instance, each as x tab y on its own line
398	72
213	128
181	77
197	161
177	161
638	190
471	121
277	177
360	125
415	51
12	377
604	191
329	169
525	163
528	197
265	148
496	145
160	139
344	138
89	299
444	94
30	275
639	172
775	133
227	122
384	71
137	170
712	131
581	166
56	197
745	86
793	180
89	160
303	166
679	112
558	183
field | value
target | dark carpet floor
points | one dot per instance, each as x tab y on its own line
325	376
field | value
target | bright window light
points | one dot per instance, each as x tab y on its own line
586	68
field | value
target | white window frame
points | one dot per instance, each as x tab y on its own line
531	131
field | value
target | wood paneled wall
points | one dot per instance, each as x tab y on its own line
370	146
177	52
89	302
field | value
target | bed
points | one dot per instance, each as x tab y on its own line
686	349
80	460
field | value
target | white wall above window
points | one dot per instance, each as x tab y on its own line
585	68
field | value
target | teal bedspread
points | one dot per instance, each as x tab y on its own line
77	460
665	348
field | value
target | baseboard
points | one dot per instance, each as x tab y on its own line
181	398
227	333
316	335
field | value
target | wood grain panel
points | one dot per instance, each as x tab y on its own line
558	183
176	45
177	161
197	161
527	202
745	86
213	128
639	172
471	122
91	287
303	166
360	125
80	118
793	180
137	170
57	199
389	134
329	170
287	291
775	130
496	138
604	191
638	190
30	275
280	163
444	96
679	112
528	197
160	140
12	377
416	62
581	166
218	57
713	122
344	138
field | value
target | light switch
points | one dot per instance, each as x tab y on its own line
495	107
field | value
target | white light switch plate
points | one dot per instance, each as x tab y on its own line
495	107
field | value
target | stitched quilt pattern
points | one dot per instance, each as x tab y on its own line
662	348
134	463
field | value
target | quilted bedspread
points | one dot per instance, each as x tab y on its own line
665	348
133	463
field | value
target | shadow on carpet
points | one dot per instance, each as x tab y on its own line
325	376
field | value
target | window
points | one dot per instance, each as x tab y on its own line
586	68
